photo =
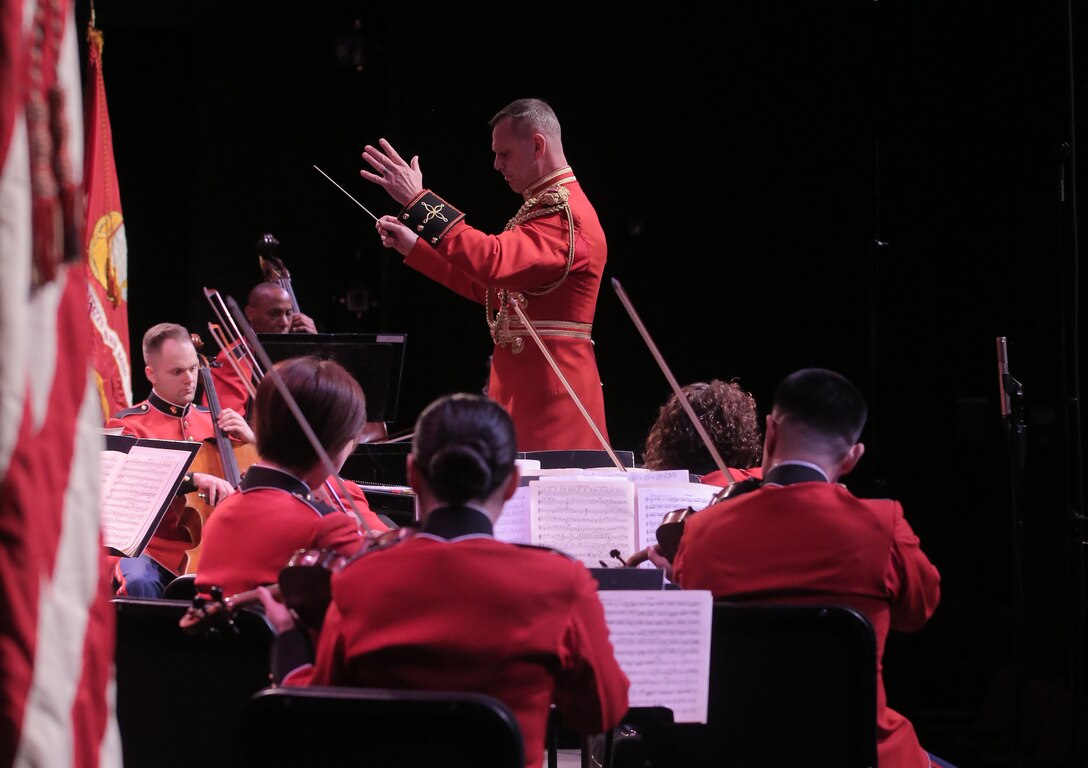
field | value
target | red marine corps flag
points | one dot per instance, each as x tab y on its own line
107	255
56	620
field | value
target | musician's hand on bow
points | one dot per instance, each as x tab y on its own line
278	614
231	422
401	180
211	488
302	323
395	235
655	557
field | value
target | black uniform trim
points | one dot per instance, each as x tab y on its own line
267	477
451	522
429	216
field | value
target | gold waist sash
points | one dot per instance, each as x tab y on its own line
514	332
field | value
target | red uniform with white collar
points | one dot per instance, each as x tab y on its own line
253	533
531	257
158	418
800	539
230	389
453	609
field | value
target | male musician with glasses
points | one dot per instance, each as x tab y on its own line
549	259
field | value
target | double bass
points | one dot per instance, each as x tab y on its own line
219	456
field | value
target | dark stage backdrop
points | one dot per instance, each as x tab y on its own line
871	187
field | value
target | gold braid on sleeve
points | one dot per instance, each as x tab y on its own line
553	200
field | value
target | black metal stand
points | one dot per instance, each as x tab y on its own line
1015	437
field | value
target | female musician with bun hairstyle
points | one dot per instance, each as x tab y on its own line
248	541
452	608
728	414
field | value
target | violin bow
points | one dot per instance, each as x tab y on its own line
288	398
570	390
684	402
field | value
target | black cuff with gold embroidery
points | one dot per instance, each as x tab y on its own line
430	216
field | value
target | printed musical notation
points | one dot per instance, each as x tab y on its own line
590	513
662	642
136	489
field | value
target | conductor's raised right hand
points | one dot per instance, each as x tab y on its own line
403	181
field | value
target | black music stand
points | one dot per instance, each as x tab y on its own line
375	360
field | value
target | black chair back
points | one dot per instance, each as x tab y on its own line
790	685
179	696
379	727
793	681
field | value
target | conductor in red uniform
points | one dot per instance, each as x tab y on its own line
550	259
452	608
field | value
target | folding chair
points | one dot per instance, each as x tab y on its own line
179	696
789	685
378	727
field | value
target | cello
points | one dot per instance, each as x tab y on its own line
218	456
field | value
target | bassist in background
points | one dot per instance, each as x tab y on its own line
269	310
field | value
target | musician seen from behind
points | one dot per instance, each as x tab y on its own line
169	413
253	534
550	258
268	310
802	537
728	415
451	608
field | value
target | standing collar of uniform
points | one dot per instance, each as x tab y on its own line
559	176
165	406
452	522
795	471
261	476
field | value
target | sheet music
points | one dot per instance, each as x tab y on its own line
135	486
662	643
661	476
514	525
653	501
586	517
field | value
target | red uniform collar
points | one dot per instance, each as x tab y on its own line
557	177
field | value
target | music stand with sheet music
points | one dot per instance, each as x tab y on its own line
376	361
132	506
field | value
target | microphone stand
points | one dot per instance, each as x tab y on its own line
1015	437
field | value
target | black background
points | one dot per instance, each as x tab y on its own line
874	187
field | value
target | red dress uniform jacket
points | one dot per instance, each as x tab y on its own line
737	475
464	612
815	542
529	256
252	535
230	389
163	420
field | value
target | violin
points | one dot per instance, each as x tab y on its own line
304	586
671	529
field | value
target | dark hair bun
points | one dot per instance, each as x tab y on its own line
459	473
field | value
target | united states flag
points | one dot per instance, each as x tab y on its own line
56	622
